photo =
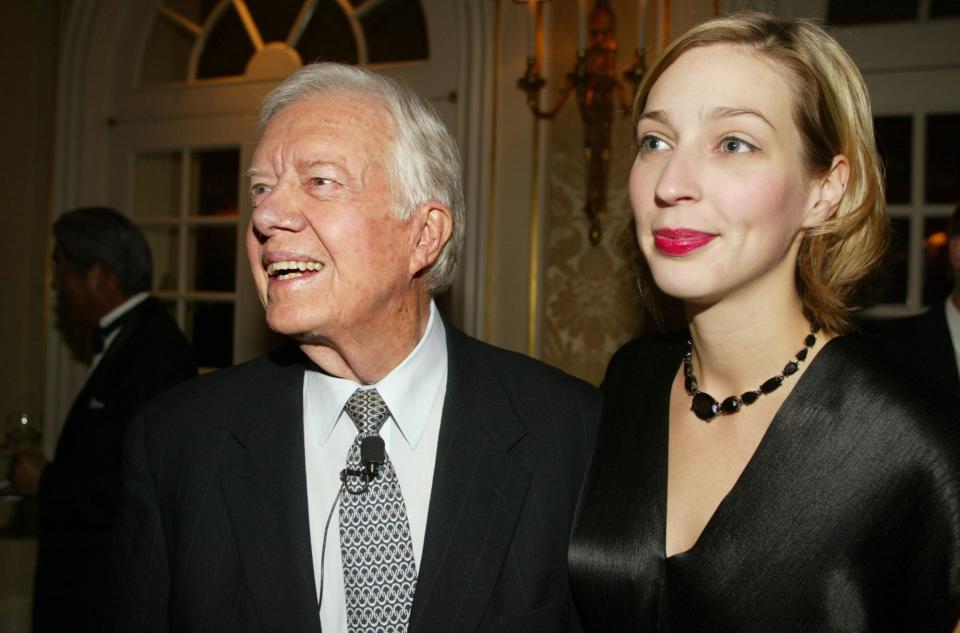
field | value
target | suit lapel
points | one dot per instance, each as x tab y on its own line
100	385
479	488
264	488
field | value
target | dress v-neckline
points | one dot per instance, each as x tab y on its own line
775	429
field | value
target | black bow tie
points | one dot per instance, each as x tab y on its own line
99	337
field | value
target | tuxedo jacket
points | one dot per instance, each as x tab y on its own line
80	489
920	345
215	533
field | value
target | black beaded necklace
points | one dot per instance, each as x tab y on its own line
706	406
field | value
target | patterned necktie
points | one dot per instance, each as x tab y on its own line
379	569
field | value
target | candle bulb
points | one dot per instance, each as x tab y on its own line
641	25
532	42
582	26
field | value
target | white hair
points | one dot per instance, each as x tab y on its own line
426	162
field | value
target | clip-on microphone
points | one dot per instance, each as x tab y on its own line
372	456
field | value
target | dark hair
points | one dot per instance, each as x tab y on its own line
100	235
953	224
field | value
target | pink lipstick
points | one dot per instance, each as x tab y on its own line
678	242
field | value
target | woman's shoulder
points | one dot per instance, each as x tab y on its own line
654	349
642	363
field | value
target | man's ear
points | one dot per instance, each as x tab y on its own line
953	250
433	226
827	192
101	281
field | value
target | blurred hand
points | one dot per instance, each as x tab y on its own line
27	468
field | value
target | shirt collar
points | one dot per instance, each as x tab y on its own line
123	308
410	390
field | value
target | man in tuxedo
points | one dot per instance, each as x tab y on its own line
386	472
102	276
927	346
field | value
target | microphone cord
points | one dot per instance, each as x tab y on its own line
366	477
323	550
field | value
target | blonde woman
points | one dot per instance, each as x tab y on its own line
765	470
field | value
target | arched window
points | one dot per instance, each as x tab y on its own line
196	40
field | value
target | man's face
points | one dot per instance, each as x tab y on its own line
329	258
74	293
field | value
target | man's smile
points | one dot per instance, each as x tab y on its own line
291	269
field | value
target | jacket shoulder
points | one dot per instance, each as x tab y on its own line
520	369
215	393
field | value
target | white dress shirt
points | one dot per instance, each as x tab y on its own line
953	325
112	316
414	393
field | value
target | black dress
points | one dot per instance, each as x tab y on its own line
846	518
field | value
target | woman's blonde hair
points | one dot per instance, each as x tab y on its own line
832	113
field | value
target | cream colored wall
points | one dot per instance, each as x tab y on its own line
28	66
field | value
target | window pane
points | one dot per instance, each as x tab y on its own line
215	178
171	307
895	143
228	48
937	275
156	185
943	158
328	36
167	52
164	247
861	12
893	284
274	17
213	251
210	329
396	31
945	8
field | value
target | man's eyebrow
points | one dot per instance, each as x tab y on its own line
324	161
253	172
725	112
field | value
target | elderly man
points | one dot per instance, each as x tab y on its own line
387	474
102	276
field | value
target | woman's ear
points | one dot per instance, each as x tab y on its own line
827	192
433	225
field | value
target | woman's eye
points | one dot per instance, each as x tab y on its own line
734	145
651	143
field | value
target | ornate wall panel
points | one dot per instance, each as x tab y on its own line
590	304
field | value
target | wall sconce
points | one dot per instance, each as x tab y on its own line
594	80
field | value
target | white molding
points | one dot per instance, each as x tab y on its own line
476	143
89	37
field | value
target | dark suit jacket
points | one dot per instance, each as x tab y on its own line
79	490
215	528
920	345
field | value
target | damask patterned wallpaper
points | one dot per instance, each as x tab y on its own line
590	302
